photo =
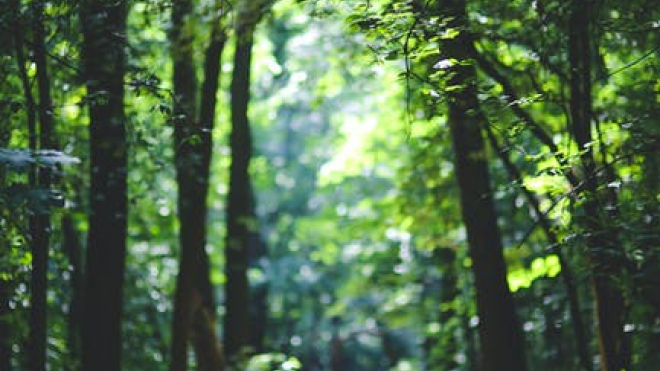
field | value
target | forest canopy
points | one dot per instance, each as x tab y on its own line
328	185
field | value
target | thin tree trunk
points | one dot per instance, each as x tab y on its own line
208	105
242	226
604	252
209	354
502	343
259	293
6	284
73	249
40	220
104	25
31	105
337	352
567	276
5	325
191	235
240	214
579	329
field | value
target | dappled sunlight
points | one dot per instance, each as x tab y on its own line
328	185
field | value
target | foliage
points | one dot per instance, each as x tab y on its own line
355	184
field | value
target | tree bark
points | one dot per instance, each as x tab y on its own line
191	236
502	342
210	355
242	226
5	325
240	212
103	25
208	349
604	252
40	219
73	250
259	293
193	144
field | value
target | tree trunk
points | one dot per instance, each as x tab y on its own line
240	208
6	289
5	325
258	252
40	219
604	252
208	350
73	250
193	158
210	356
103	25
191	235
502	342
242	237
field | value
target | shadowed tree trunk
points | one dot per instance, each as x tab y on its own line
259	292
6	284
191	235
502	343
40	138
5	324
73	249
603	248
40	217
648	279
240	215
103	25
194	303
210	356
337	352
242	226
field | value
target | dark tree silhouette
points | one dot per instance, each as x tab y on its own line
242	225
194	302
602	241
502	343
103	25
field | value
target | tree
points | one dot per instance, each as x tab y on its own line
599	204
40	225
194	303
38	216
242	230
103	26
502	343
364	156
5	326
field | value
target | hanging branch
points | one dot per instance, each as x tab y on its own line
512	99
566	271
